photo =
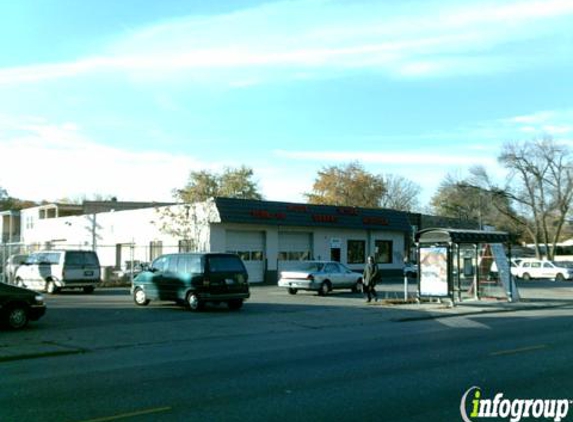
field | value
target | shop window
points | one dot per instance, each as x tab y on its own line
384	251
294	256
356	252
256	255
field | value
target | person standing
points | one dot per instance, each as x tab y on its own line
369	278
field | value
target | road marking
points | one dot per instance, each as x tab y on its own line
520	350
130	415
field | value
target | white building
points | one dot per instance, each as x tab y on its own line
269	236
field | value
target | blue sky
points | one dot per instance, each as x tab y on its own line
126	97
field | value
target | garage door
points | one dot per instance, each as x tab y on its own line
250	246
294	247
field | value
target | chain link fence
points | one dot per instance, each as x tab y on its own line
119	263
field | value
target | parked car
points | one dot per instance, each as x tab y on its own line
52	271
320	276
129	270
18	306
194	279
537	268
11	265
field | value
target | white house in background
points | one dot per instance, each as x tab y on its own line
269	236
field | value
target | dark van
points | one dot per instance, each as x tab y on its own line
193	279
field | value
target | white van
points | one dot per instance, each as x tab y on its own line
51	271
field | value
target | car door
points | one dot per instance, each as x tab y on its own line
152	281
548	270
334	274
349	277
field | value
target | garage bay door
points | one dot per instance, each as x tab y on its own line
250	246
294	247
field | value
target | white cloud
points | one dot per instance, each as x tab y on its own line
46	161
438	38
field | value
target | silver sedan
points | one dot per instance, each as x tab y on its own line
320	276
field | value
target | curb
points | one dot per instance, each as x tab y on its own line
480	312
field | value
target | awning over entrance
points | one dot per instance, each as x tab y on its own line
441	235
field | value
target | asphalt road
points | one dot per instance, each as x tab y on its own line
296	358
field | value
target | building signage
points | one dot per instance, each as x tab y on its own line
267	215
379	221
335	243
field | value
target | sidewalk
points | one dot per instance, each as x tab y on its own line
531	298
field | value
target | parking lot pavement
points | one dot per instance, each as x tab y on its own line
78	323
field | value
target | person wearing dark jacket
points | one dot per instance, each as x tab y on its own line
369	278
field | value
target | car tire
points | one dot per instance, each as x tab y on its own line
235	304
357	288
526	277
140	298
559	277
89	289
292	291
193	302
16	317
51	288
324	288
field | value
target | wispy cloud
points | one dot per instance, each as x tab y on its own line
440	38
389	159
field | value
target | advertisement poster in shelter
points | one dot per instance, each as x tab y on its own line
434	271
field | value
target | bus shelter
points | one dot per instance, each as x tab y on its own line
464	264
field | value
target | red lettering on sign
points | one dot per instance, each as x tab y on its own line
267	215
297	208
323	218
347	211
379	221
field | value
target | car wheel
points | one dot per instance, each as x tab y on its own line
235	305
526	276
89	289
194	303
17	317
324	288
357	288
559	277
292	291
140	298
51	287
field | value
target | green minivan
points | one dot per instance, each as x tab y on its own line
193	279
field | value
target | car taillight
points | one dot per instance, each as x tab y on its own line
310	277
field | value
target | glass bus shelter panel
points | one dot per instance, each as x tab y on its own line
464	271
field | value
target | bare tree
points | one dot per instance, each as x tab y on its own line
188	223
538	191
401	194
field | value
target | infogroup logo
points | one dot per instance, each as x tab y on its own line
474	407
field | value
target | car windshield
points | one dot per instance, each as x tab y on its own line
310	267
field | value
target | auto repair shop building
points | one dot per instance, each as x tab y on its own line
273	236
269	236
